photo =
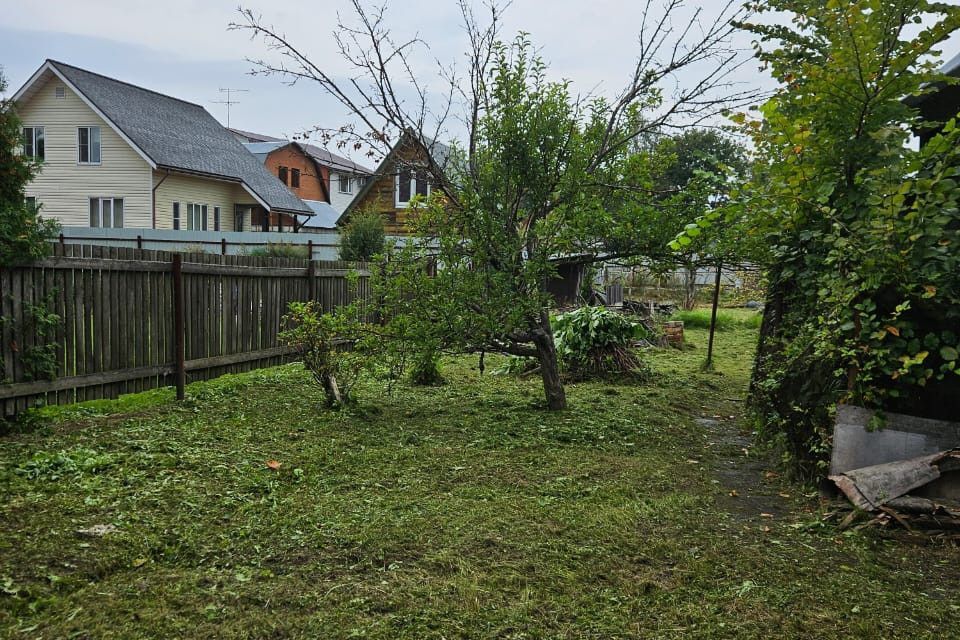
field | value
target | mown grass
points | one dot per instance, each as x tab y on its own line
460	511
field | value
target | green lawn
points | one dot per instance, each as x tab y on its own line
463	511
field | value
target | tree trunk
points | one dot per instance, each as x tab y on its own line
690	288
549	366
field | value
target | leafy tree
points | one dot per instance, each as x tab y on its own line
862	231
536	169
363	237
24	235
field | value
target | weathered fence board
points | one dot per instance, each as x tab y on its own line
118	332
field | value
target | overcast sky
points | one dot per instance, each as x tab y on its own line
183	47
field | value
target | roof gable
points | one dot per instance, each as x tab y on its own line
172	134
440	152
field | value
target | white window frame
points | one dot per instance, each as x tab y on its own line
344	179
34	138
196	216
89	161
100	200
414	180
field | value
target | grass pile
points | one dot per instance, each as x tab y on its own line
458	511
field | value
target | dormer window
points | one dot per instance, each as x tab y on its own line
88	145
33	146
409	184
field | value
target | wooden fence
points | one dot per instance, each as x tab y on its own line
129	320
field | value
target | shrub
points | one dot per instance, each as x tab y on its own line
425	368
330	346
280	250
362	238
594	341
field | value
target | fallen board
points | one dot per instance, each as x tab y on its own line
904	437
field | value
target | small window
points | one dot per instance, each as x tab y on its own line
176	216
33	143
295	178
344	184
216	218
238	216
410	183
197	217
282	174
88	145
59	92
31	203
106	212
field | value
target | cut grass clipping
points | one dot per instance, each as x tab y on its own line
459	511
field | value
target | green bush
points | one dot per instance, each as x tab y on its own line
362	238
281	250
425	369
594	341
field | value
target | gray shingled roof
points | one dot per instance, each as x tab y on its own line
180	135
262	149
325	218
321	155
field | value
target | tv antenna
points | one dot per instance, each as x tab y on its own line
230	102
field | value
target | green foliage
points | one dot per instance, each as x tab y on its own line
280	250
862	231
24	234
700	319
65	465
363	237
425	368
596	342
333	347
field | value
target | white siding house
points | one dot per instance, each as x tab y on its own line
116	155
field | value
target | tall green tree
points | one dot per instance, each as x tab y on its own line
537	165
24	235
862	230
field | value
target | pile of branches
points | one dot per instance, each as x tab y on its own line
594	342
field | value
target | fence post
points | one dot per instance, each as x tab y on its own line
312	281
310	249
139	241
180	374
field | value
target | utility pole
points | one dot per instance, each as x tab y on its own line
229	102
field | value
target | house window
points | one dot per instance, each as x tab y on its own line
197	217
176	216
88	145
238	216
410	183
343	184
216	218
59	92
33	146
282	174
106	212
295	178
31	203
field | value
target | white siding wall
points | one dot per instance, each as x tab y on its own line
63	186
339	201
190	189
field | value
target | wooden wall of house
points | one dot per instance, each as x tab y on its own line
314	179
382	195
